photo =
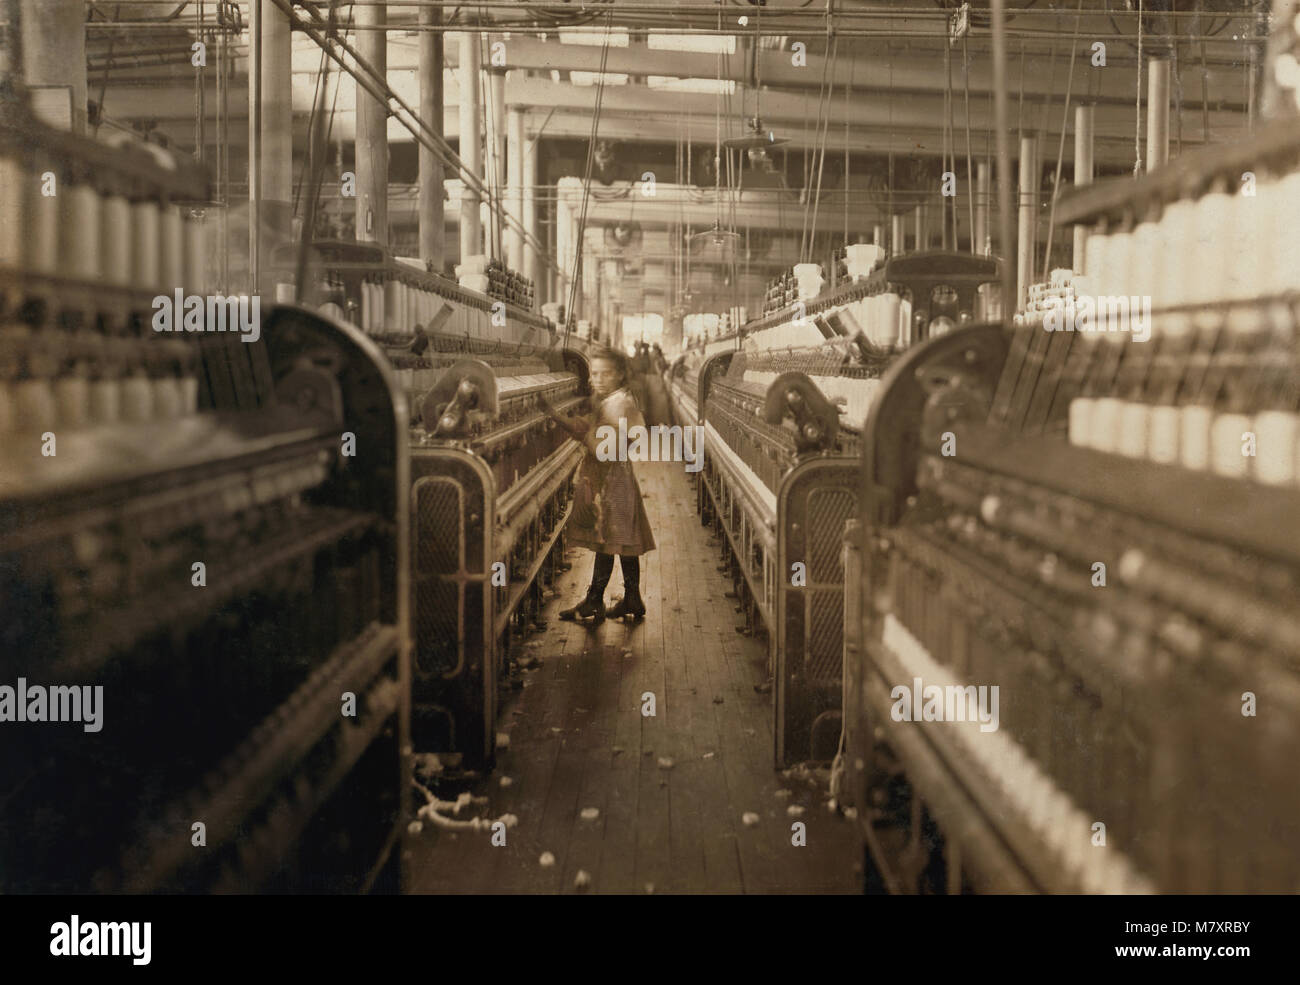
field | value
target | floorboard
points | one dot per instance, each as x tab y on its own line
665	796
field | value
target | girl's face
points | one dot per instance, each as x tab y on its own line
605	377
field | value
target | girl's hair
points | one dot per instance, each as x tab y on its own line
606	354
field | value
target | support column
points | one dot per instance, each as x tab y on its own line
556	277
1157	113
589	286
878	235
980	242
471	151
515	188
372	132
534	269
54	49
922	216
608	299
564	251
1026	238
276	137
495	133
1083	173
433	239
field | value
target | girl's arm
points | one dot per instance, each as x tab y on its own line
576	426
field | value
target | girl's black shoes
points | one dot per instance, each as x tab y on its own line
630	606
592	608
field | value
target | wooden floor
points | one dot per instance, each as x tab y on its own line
672	790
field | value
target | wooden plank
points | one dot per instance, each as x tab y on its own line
588	731
618	860
748	793
681	828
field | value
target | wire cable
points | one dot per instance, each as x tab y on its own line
805	241
821	147
1060	150
575	285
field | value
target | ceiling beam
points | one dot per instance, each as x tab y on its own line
904	125
876	67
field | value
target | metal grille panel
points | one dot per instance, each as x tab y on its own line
437	613
438	526
824	655
828	511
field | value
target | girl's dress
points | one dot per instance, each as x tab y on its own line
608	514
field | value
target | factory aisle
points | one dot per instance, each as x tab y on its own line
672	790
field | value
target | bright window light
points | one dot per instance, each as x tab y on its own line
593	78
708	44
709	86
596	39
646	326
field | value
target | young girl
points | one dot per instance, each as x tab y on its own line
608	516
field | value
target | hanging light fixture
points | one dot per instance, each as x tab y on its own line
757	137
